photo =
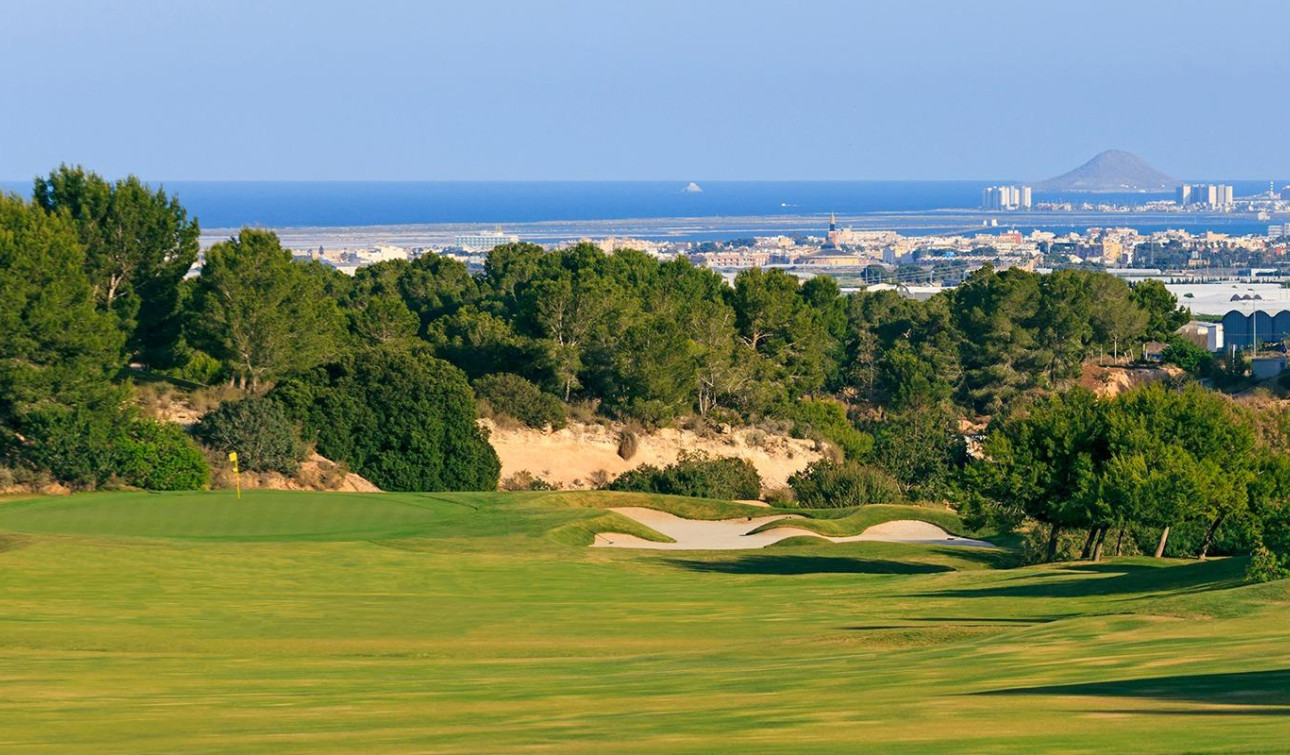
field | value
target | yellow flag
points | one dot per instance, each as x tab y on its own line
232	456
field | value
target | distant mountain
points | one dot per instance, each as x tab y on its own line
1112	170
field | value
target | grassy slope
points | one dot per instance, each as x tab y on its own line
456	623
855	521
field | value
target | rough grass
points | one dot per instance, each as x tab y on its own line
460	624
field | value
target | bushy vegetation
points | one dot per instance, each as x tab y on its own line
397	416
921	448
1188	356
160	456
828	484
513	396
828	420
259	312
259	430
694	474
1153	458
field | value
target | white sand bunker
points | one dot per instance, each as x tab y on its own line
737	534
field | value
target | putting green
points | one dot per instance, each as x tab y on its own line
463	623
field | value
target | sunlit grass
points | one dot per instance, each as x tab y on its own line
474	623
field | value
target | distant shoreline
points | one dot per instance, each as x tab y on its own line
922	223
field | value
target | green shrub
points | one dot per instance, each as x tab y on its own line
697	475
1264	566
396	415
1187	355
199	367
827	484
516	397
828	419
259	430
160	456
86	447
74	445
642	479
921	448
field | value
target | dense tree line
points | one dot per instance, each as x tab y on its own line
1141	466
652	340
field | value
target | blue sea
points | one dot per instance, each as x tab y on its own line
279	204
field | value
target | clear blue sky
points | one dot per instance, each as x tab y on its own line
651	89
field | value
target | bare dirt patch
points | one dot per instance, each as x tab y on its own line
573	458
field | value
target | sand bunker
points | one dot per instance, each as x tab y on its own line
737	534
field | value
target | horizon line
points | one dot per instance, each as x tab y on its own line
682	181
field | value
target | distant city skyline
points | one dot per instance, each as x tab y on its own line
662	90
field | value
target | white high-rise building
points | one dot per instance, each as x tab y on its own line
484	241
1006	198
1212	196
1225	197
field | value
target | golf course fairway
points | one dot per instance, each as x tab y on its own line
482	623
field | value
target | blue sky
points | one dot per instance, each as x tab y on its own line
485	89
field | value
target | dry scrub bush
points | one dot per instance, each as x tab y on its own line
628	444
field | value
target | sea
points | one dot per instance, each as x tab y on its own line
327	204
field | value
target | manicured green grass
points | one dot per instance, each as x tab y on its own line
856	520
469	623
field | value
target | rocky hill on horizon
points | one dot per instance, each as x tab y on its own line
1112	170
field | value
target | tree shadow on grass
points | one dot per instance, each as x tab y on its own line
989	557
1268	689
769	565
931	622
1080	580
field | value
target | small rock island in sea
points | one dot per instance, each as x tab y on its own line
692	188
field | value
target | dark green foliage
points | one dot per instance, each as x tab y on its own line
650	341
398	416
1164	316
516	397
138	244
921	448
259	312
1152	458
830	485
1042	463
828	419
395	300
259	430
694	474
160	456
75	445
788	338
1265	566
58	351
196	367
1196	361
86	448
